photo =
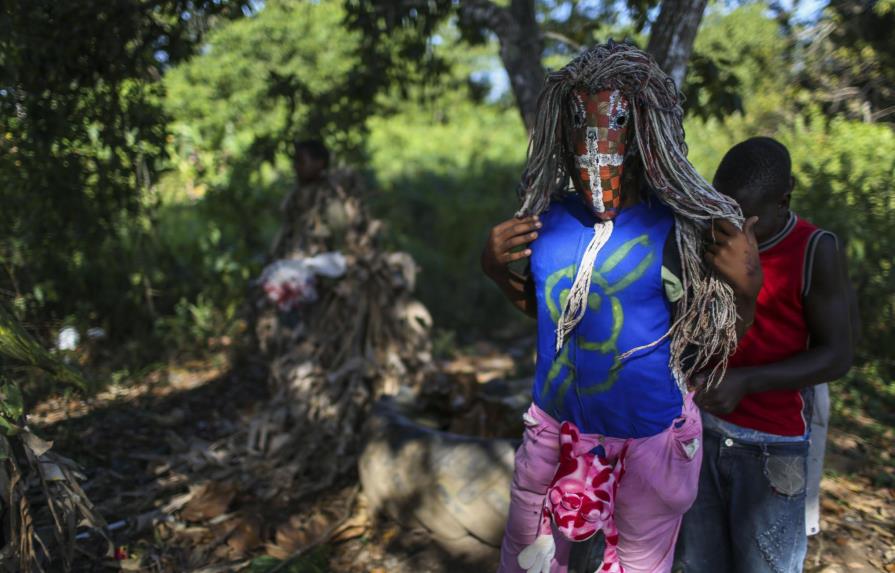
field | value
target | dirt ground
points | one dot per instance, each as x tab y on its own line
165	520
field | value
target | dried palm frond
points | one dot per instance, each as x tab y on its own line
39	490
17	344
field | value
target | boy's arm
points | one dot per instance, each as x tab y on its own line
829	353
499	253
519	290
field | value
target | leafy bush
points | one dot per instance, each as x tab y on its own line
446	172
845	172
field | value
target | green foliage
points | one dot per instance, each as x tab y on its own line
849	62
446	171
564	27
81	133
845	171
443	219
315	561
588	23
442	161
283	73
746	42
12	407
19	350
864	403
207	251
567	24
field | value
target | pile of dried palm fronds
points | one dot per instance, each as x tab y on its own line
41	501
365	336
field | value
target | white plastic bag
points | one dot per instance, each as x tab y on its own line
290	283
330	265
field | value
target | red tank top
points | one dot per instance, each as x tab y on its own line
779	330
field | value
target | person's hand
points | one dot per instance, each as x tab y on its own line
505	237
733	253
724	397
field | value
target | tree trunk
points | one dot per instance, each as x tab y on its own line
521	47
673	34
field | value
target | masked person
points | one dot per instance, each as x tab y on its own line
750	513
631	300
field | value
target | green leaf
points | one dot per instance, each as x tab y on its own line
315	561
263	564
10	429
11	403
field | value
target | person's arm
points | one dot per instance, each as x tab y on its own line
733	253
829	353
499	253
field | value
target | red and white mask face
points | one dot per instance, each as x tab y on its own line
601	123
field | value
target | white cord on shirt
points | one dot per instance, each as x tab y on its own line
576	303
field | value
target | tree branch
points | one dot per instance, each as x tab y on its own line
486	14
562	38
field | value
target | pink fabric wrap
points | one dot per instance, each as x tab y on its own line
581	500
661	474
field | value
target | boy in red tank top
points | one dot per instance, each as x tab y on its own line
749	515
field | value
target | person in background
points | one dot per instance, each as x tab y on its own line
322	215
317	212
749	514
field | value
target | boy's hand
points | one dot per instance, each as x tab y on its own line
733	253
504	237
726	395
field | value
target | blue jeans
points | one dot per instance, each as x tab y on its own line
749	515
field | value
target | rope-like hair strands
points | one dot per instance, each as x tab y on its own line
706	323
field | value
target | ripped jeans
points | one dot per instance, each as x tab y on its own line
749	516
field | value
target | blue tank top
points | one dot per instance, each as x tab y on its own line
586	382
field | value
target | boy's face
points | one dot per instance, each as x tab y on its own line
307	167
771	212
600	135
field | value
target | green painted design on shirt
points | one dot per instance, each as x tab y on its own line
552	281
594	301
556	368
611	343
